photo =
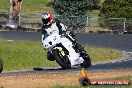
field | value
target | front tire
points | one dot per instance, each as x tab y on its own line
63	61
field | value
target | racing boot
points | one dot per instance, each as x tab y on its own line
50	56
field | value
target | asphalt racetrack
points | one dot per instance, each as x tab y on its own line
121	42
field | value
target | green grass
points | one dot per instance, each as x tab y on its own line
28	6
36	6
22	55
4	5
99	86
102	54
18	55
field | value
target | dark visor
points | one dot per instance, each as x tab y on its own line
45	21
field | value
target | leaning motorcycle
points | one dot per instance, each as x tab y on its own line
68	54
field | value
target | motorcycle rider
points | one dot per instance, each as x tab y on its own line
49	26
55	26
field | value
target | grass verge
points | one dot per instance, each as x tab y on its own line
98	54
18	55
28	6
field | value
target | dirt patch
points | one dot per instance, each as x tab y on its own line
49	80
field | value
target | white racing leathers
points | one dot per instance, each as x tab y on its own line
51	39
54	29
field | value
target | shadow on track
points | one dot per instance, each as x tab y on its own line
58	69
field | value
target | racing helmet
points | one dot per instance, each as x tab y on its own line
47	18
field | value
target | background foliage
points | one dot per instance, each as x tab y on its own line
117	9
72	10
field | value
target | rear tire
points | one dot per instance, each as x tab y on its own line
64	62
1	66
87	61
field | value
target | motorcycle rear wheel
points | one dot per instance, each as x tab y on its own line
87	61
63	61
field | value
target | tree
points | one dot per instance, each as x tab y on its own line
116	13
75	7
74	12
116	9
71	7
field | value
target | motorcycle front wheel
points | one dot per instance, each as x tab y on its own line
61	59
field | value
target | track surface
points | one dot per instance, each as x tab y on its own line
117	41
120	42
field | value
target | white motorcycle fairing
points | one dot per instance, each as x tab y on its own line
50	42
